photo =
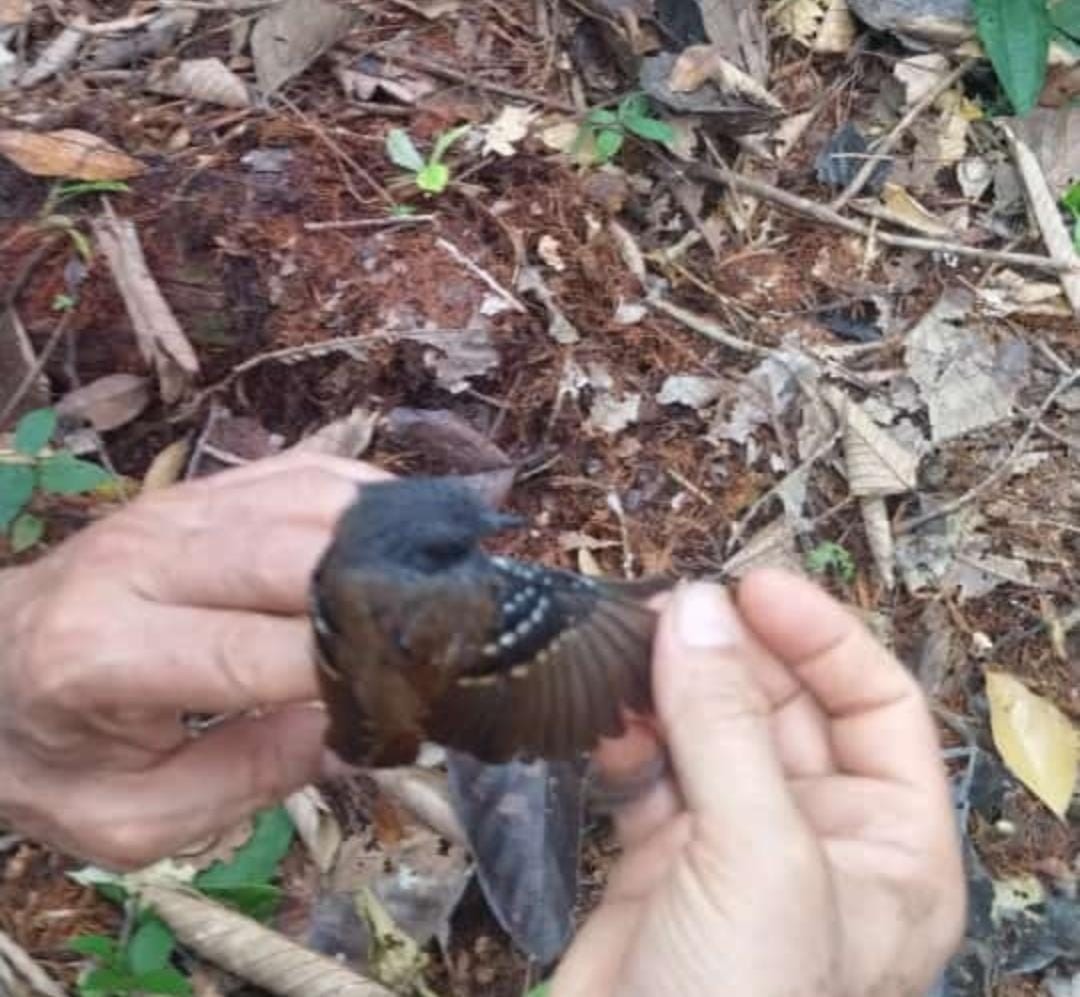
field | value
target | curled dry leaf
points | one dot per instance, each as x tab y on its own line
167	467
209	80
697	65
316	825
879	537
1035	739
107	403
876	464
68	153
160	338
901	207
349	437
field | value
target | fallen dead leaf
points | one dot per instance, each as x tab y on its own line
692	390
167	466
316	826
208	80
348	437
1035	740
697	65
290	36
68	153
107	403
510	126
875	462
904	209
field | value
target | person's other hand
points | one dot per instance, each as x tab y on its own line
810	845
191	599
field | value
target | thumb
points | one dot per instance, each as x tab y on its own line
715	715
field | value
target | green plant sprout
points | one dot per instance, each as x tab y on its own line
831	557
1071	201
607	129
140	962
431	175
30	469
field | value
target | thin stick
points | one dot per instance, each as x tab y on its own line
890	141
35	371
477	271
348	223
821	213
706	327
456	76
1002	469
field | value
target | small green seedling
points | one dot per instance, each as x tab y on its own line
140	965
607	129
1071	200
431	175
31	469
832	558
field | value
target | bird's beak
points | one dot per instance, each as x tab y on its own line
499	521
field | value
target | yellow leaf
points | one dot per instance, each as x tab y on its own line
69	153
1035	740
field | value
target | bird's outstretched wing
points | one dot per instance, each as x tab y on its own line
566	656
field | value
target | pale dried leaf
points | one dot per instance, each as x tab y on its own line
510	126
587	563
425	795
920	74
167	467
291	35
549	250
837	30
457	355
316	826
1053	135
879	538
1035	739
560	328
697	65
348	437
774	546
902	208
209	80
875	463
107	403
692	390
974	175
160	338
57	56
801	19
611	413
629	250
68	153
252	952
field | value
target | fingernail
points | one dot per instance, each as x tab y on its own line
704	617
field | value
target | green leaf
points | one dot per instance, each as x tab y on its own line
541	990
106	982
65	474
829	556
257	900
99	946
443	143
151	947
433	178
34	430
26	531
256	861
1076	234
1071	199
1016	36
163	981
1065	16
601	116
633	107
66	191
402	151
16	488
608	143
652	129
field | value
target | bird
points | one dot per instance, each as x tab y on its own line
422	635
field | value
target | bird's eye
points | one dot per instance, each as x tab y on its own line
445	551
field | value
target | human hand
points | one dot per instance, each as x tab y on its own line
810	846
191	599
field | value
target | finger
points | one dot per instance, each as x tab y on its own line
292	462
128	820
715	717
209	661
880	725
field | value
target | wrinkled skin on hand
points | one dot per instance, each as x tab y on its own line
191	599
806	844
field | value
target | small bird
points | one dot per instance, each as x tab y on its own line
422	635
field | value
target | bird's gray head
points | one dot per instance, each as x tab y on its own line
422	524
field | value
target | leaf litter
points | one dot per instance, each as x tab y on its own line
730	426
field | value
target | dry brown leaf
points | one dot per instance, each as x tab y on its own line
160	338
165	469
68	153
108	402
348	437
58	55
1035	740
316	825
875	463
879	537
825	26
209	80
905	210
701	64
291	35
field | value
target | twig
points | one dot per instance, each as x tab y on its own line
821	213
1002	469
35	371
350	223
706	327
456	76
889	142
40	982
479	272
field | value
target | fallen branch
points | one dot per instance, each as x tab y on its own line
1002	469
821	213
19	959
706	327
